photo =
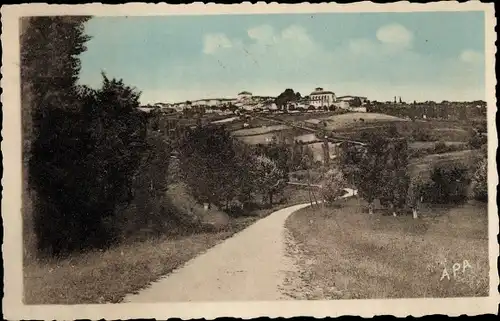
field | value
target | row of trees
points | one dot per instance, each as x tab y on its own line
461	111
222	171
380	171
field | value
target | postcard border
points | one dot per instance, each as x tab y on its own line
11	205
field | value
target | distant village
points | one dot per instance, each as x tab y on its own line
319	99
323	100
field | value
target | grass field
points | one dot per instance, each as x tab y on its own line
348	254
431	145
107	276
424	165
259	130
358	120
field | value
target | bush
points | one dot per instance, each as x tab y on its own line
421	134
332	186
479	182
449	185
94	154
440	147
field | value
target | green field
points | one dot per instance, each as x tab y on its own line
424	165
344	253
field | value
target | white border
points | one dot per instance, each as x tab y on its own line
11	202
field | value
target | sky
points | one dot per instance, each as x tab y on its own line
418	56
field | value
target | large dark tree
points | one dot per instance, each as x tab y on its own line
285	97
85	145
49	66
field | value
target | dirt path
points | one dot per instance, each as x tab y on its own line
251	265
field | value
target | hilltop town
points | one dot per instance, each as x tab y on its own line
319	98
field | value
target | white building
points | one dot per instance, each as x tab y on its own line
322	98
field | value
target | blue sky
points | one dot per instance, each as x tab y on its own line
418	56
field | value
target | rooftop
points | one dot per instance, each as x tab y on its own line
321	92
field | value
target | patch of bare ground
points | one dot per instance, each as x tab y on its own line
344	253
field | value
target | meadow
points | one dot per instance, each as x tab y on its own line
347	254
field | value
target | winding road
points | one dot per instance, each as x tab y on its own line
251	265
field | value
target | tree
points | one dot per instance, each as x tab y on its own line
415	192
332	186
356	102
286	97
370	171
50	47
269	178
207	157
449	184
395	175
377	170
95	152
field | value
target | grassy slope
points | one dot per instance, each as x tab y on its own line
107	276
349	255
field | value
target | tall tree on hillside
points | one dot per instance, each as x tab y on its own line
94	155
50	47
49	63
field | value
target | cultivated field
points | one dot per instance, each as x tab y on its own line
344	253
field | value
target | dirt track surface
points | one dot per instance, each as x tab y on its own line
251	265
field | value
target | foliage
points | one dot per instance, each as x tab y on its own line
149	187
479	181
206	156
286	97
449	184
378	170
94	154
332	185
280	153
49	67
269	178
477	139
395	174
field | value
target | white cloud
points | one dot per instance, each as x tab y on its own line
395	34
262	34
215	41
471	56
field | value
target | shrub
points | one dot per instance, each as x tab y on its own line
479	182
449	184
422	134
94	153
440	147
332	185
